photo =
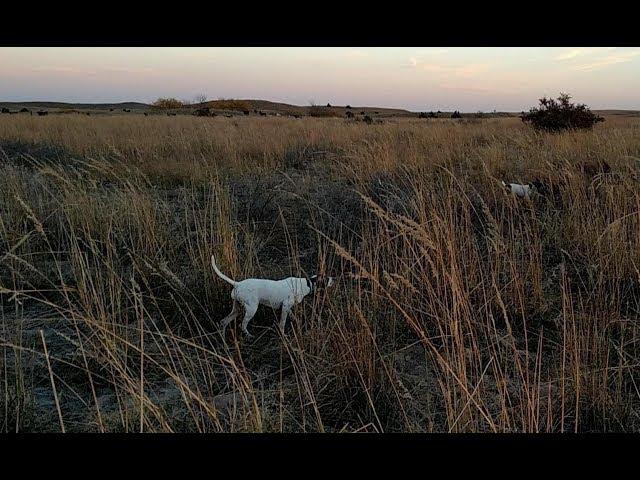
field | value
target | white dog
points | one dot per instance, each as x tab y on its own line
521	191
274	293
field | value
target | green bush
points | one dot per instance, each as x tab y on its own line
561	114
167	103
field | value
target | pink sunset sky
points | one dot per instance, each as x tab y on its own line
415	78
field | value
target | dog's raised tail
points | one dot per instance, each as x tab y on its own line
220	274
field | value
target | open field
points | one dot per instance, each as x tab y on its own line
458	308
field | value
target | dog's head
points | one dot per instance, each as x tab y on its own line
318	282
539	187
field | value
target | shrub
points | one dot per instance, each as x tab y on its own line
239	105
204	112
456	114
318	111
167	103
561	114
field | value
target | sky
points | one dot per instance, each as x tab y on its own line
469	79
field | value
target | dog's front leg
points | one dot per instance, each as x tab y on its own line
286	308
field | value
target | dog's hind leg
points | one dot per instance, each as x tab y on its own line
249	312
231	317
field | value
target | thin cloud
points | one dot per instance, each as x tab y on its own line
471	69
614	59
446	86
415	61
357	53
434	67
439	51
65	70
84	71
465	71
128	70
581	52
55	69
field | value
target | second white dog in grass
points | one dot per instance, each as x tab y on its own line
283	294
522	191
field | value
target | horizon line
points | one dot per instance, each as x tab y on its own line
282	103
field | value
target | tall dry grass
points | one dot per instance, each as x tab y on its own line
458	308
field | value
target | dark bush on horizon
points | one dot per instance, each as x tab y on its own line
167	103
318	111
558	115
204	112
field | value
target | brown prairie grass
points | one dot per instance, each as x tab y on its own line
458	308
